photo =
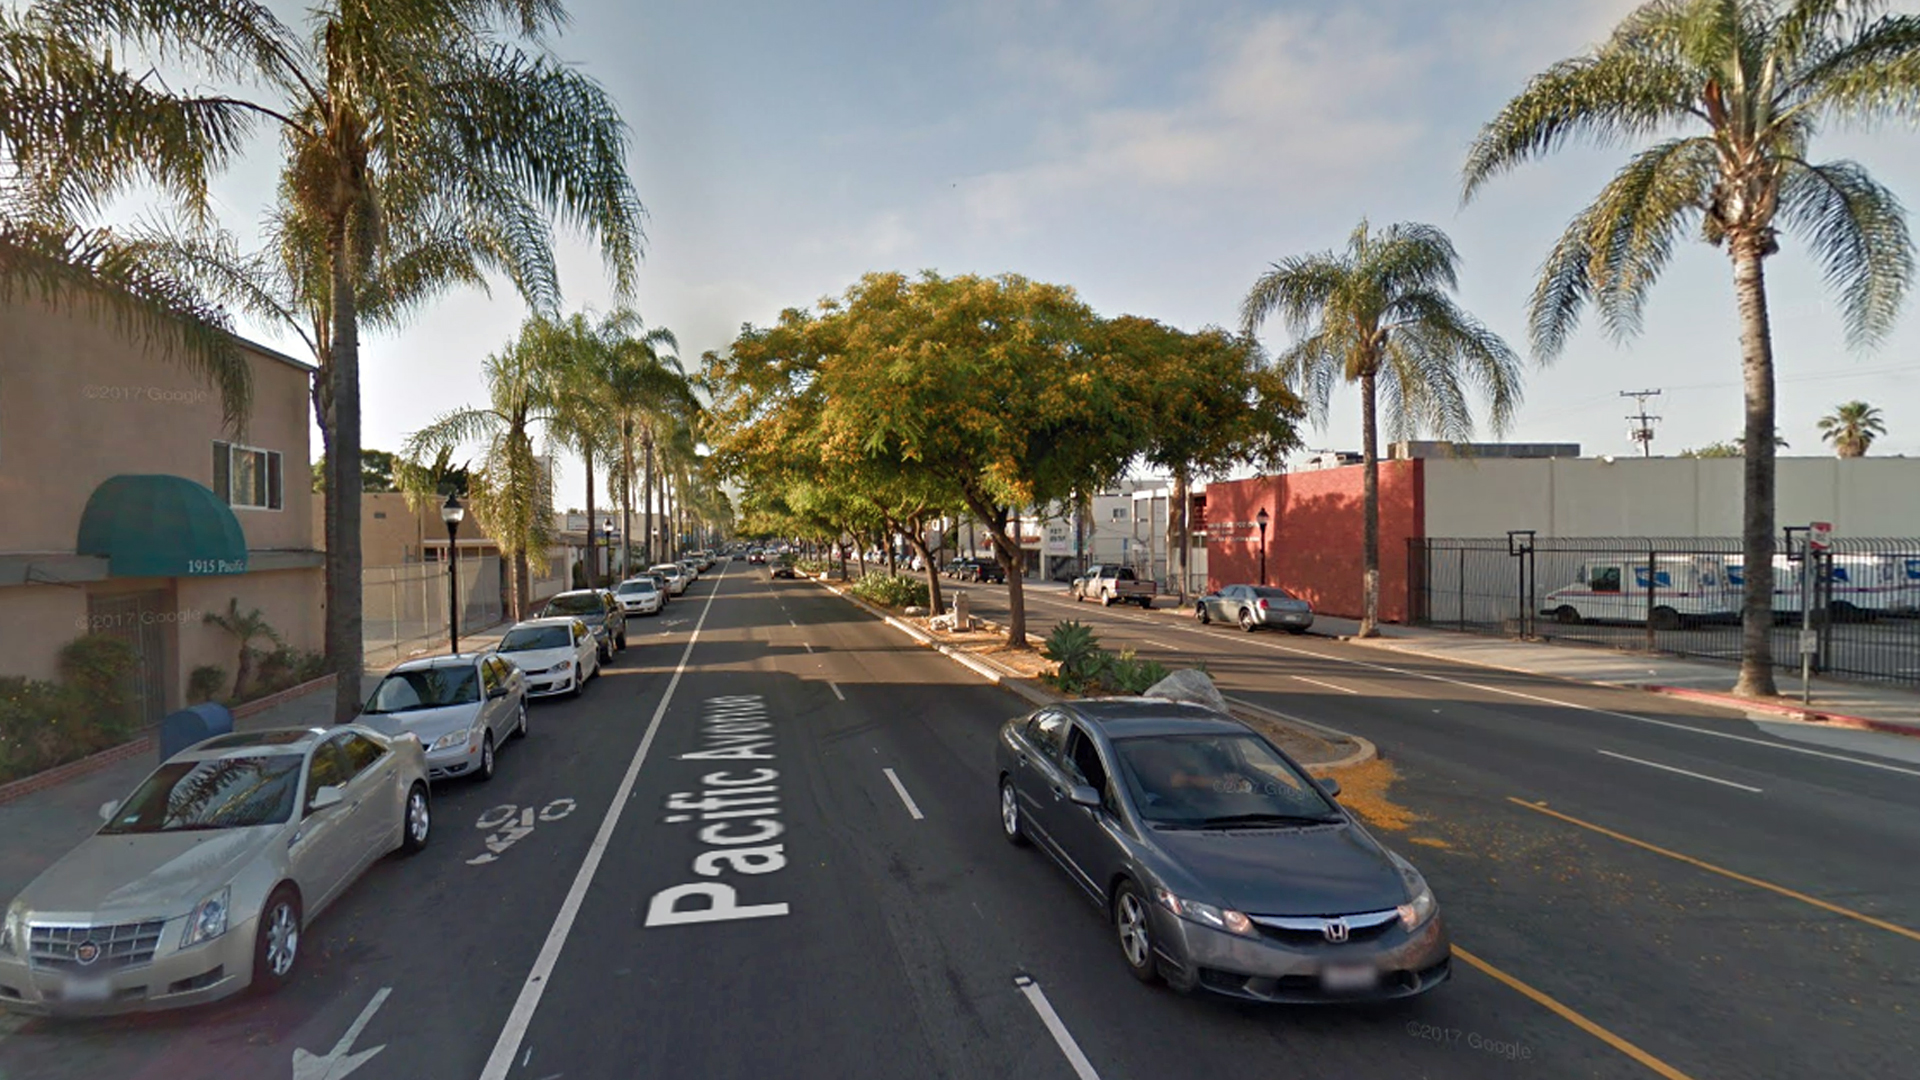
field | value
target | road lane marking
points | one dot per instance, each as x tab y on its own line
1572	1017
1328	685
1744	879
1158	644
340	1061
835	687
912	807
1682	772
500	1062
1061	1036
809	646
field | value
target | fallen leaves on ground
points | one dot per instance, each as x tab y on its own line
1364	790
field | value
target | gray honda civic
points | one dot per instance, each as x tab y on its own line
1220	864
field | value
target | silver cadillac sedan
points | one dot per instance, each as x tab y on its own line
201	882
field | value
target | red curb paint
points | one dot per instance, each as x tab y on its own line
1817	716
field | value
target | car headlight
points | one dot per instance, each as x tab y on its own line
1217	918
564	665
451	739
209	919
1416	911
13	931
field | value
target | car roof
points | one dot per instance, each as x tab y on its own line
1123	718
427	662
249	743
550	620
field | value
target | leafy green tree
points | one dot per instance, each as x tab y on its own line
1747	83
1852	427
396	113
1380	314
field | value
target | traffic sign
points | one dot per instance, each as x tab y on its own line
1820	535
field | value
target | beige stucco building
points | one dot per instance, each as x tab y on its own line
127	507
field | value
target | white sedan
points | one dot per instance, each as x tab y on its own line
558	654
639	596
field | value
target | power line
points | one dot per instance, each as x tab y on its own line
1642	429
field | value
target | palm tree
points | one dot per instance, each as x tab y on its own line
508	488
645	385
1746	84
1379	314
578	354
447	109
244	627
1852	428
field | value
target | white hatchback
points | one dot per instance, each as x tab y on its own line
559	654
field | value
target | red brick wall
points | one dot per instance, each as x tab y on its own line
1314	534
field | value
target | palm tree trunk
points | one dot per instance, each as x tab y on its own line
1370	520
646	443
1756	362
522	586
626	493
346	653
593	527
1177	525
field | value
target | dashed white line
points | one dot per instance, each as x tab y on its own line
901	789
1158	644
1062	1038
835	687
1682	772
1328	685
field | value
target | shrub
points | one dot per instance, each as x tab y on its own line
1076	649
1129	674
94	669
44	724
206	683
35	726
890	591
281	669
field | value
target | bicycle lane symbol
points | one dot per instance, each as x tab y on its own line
508	824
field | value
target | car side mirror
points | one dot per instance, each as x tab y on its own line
325	797
499	691
1085	795
107	808
1329	785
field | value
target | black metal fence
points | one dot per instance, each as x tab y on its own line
1679	595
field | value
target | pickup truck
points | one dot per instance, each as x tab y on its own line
1113	585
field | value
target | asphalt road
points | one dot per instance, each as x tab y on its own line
863	918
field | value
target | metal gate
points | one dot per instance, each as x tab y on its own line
141	619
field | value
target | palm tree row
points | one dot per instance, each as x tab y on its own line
424	144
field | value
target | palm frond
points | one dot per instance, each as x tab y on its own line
1857	230
1296	288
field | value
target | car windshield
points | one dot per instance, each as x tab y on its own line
1270	592
578	604
425	688
669	571
529	638
1217	781
226	793
630	587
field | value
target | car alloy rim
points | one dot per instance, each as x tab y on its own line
523	716
418	817
1009	810
1246	619
486	757
283	939
1133	930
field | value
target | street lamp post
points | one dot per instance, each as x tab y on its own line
453	513
607	529
1262	518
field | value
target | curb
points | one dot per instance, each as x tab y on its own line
1791	712
1366	751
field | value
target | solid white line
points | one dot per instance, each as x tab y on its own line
836	690
1682	772
1328	685
500	1062
912	807
1061	1036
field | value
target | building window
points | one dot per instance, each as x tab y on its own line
246	477
1120	513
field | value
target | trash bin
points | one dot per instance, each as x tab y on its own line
192	724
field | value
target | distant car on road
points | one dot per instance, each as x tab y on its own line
676	575
558	655
1254	606
781	567
602	613
1218	862
203	880
982	570
756	556
460	707
1113	585
640	596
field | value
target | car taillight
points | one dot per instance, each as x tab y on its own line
1263	605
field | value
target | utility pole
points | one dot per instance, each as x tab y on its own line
1642	429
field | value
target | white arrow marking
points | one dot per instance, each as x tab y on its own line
339	1063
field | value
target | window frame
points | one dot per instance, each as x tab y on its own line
272	482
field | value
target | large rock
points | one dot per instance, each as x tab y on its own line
1192	686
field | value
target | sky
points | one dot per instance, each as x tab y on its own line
1155	156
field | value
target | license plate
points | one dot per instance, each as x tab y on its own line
89	990
1346	978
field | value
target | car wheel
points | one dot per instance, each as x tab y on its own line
486	758
606	651
1246	620
520	728
579	681
1665	618
419	823
1010	824
1131	924
1567	614
623	641
276	946
1296	630
1200	612
1106	599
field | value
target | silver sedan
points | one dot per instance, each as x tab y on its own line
1253	606
201	882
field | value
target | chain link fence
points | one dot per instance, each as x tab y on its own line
405	607
1678	595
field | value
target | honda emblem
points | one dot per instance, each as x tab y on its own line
1336	930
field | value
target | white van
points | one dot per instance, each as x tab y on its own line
1686	588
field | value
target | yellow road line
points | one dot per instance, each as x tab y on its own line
1723	872
1574	1018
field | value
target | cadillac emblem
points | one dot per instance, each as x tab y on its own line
87	952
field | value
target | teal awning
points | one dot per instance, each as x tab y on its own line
161	526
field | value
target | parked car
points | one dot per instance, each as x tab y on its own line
676	576
202	880
661	583
1114	585
558	655
1255	606
461	707
952	568
1219	863
640	596
692	567
602	613
984	570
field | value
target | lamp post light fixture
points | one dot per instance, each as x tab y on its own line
453	514
607	529
1262	518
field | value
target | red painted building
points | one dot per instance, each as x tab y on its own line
1313	538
